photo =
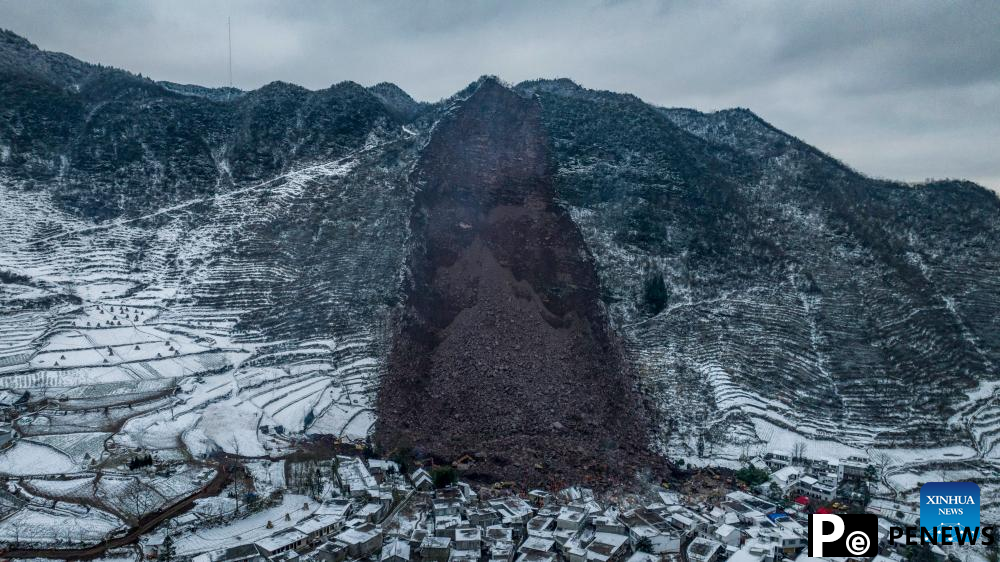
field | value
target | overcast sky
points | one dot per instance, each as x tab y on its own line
895	89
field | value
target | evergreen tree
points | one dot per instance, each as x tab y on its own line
644	545
655	294
167	550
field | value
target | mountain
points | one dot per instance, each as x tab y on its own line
560	282
116	143
802	297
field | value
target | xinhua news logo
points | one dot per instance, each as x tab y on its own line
949	514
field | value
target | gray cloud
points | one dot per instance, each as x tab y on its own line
907	90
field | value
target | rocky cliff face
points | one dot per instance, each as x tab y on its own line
504	350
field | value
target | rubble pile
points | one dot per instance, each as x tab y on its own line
504	349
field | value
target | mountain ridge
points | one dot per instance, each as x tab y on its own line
762	291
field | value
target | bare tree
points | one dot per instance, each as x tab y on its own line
136	494
799	451
881	460
240	487
16	527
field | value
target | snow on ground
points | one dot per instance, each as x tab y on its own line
268	476
142	352
30	459
81	448
64	524
232	427
248	529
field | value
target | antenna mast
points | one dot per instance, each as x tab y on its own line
229	25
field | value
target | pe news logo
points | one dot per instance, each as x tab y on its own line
843	536
949	507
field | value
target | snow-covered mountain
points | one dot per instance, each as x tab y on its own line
193	271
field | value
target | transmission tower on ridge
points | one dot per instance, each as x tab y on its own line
229	26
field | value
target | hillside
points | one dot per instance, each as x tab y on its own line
559	281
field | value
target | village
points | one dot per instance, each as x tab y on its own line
349	508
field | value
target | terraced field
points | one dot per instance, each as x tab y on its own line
233	323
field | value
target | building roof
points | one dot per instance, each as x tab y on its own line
358	535
317	523
431	541
536	556
643	557
725	530
397	549
703	547
281	540
537	543
468	534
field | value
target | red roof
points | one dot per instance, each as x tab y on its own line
802	500
824	509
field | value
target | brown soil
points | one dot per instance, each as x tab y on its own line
503	348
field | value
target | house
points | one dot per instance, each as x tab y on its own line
242	553
354	477
445	525
497	533
340	508
362	540
12	402
824	490
777	460
683	522
643	557
539	526
535	556
786	477
482	517
287	556
7	435
606	547
331	551
609	524
536	544
284	541
852	468
447	507
570	519
381	468
728	535
396	551
467	492
789	534
436	549
645	523
502	551
422	480
319	527
755	551
464	556
704	550
501	541
515	510
382	496
468	539
539	497
370	512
